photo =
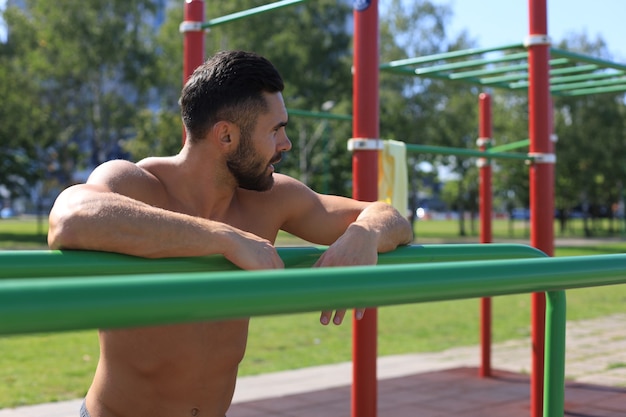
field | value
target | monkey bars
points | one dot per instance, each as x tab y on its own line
507	67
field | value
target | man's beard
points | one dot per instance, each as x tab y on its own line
248	168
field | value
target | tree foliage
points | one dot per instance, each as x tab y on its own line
83	82
82	70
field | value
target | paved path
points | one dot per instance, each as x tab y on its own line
596	353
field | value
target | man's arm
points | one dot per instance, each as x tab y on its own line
93	217
355	231
378	228
364	229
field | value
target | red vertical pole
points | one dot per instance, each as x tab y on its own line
541	179
484	140
193	42
365	182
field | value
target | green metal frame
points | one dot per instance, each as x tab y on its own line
169	295
571	74
38	264
444	150
56	291
250	12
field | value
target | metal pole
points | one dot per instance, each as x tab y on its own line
250	12
484	142
444	150
39	264
87	302
193	43
365	125
554	376
541	179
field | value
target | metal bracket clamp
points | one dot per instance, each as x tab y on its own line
189	26
542	158
484	141
532	40
365	144
554	137
483	162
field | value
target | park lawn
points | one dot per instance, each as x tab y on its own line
23	233
54	367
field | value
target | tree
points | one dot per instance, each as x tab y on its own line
591	148
89	68
23	120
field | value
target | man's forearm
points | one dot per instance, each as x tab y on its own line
391	228
115	223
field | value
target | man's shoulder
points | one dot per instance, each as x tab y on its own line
137	180
283	181
154	162
285	192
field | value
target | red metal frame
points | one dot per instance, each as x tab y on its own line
365	177
365	124
541	182
485	206
193	42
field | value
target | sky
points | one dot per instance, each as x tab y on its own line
500	22
3	31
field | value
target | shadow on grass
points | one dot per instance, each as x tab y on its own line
13	241
596	249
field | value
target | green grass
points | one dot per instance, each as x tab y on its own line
52	367
23	233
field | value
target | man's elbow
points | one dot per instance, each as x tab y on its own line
59	232
63	227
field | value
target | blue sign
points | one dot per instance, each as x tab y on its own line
360	5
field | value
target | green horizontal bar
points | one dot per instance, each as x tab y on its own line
595	84
524	75
319	115
586	58
508	146
585	77
574	69
599	90
442	150
57	304
486	72
471	63
447	55
38	264
505	78
501	69
250	12
573	78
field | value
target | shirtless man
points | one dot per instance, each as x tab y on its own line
219	195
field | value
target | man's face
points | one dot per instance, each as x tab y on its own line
251	164
249	167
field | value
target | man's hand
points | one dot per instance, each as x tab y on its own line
251	252
339	315
355	247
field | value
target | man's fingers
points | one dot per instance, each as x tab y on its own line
325	317
339	315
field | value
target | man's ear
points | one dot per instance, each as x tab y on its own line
225	134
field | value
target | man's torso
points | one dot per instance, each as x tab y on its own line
178	370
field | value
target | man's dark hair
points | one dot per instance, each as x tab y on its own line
228	86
